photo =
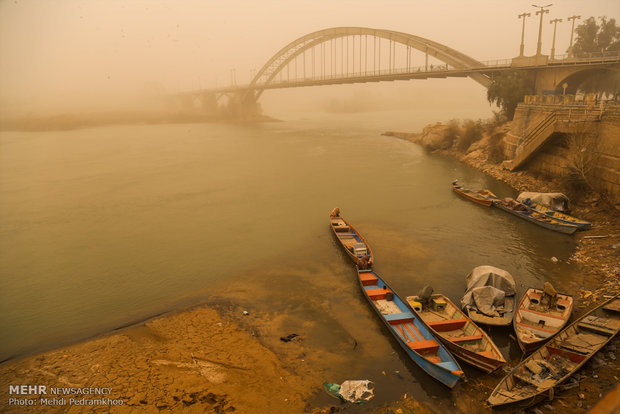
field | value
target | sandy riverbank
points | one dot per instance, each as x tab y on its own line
194	361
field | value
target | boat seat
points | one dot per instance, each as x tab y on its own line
368	279
376	294
428	346
396	318
535	298
434	359
447	325
563	302
457	339
603	330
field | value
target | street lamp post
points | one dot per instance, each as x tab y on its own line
572	30
542	12
555	25
523	16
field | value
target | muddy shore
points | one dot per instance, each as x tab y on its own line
214	358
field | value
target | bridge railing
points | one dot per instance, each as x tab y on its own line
433	69
586	58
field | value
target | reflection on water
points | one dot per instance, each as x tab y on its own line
101	227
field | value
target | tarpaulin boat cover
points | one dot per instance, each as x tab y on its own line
487	286
555	201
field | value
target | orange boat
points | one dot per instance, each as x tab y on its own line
540	316
484	197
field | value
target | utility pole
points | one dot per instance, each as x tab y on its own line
555	25
523	16
572	30
542	12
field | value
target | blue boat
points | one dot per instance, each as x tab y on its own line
512	206
412	335
564	218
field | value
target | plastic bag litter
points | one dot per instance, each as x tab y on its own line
355	391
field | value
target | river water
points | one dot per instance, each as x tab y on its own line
106	226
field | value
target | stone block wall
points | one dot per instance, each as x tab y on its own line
551	159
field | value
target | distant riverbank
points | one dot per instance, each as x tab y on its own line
77	120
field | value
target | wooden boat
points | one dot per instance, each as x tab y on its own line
485	277
353	243
562	217
534	378
412	335
521	210
503	319
484	197
538	319
463	338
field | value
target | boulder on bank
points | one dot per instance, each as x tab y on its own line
436	137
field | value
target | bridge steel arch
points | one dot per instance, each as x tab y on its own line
289	52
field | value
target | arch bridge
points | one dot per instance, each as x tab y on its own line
344	55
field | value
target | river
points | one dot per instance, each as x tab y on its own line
106	226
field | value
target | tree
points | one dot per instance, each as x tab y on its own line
583	157
593	37
508	89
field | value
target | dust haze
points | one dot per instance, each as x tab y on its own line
123	58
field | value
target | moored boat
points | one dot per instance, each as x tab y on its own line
463	338
513	207
552	364
352	242
412	335
562	217
484	197
489	298
540	315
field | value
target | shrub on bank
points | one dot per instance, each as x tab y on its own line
496	151
472	132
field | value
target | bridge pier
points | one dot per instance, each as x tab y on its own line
243	106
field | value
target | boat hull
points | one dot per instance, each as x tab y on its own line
347	236
504	320
550	321
488	360
561	217
483	197
556	361
548	224
448	372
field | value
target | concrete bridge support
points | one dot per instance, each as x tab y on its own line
551	79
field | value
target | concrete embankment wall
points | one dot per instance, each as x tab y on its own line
552	158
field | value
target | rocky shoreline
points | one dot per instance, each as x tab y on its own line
597	250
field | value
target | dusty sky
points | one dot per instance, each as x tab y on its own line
62	52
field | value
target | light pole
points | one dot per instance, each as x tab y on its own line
542	12
555	25
572	30
523	16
